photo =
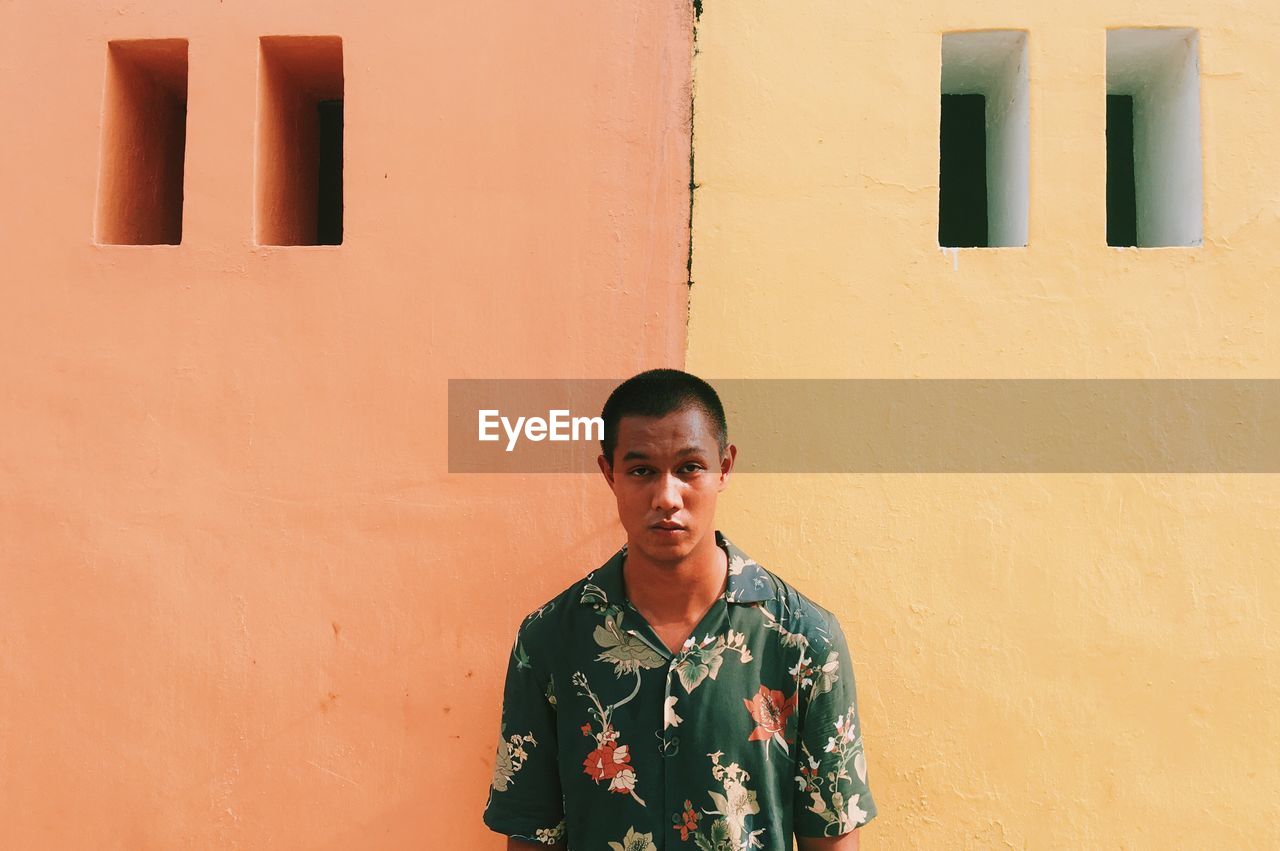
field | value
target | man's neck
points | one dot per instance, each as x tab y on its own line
674	595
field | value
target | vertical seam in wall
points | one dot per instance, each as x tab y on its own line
693	184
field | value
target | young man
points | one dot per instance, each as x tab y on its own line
680	695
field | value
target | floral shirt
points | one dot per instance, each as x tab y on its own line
748	735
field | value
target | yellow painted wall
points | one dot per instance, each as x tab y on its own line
1044	661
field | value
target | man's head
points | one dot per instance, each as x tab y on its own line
666	456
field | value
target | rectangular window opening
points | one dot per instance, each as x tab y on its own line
298	170
1155	184
143	147
984	138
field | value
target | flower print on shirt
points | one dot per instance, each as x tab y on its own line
606	718
686	823
634	841
550	835
669	716
771	710
840	813
510	759
735	806
610	760
700	660
629	654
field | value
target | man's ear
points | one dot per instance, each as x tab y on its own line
606	468
726	464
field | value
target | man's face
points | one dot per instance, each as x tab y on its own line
666	474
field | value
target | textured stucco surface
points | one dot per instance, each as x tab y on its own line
1044	661
242	605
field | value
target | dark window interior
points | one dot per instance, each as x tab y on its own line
329	197
1122	198
962	199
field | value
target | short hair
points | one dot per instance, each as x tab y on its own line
656	393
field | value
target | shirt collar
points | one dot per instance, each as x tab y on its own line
748	581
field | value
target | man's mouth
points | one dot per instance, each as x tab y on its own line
667	527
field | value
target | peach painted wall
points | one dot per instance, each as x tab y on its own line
241	603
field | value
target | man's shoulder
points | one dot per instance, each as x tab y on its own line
795	613
549	619
543	620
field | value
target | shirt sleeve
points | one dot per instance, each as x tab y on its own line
833	797
524	794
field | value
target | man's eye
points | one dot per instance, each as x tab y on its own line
692	468
638	471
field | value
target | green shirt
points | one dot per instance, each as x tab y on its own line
747	735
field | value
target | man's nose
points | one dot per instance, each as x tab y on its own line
666	496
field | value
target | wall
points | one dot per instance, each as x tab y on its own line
1044	661
242	605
